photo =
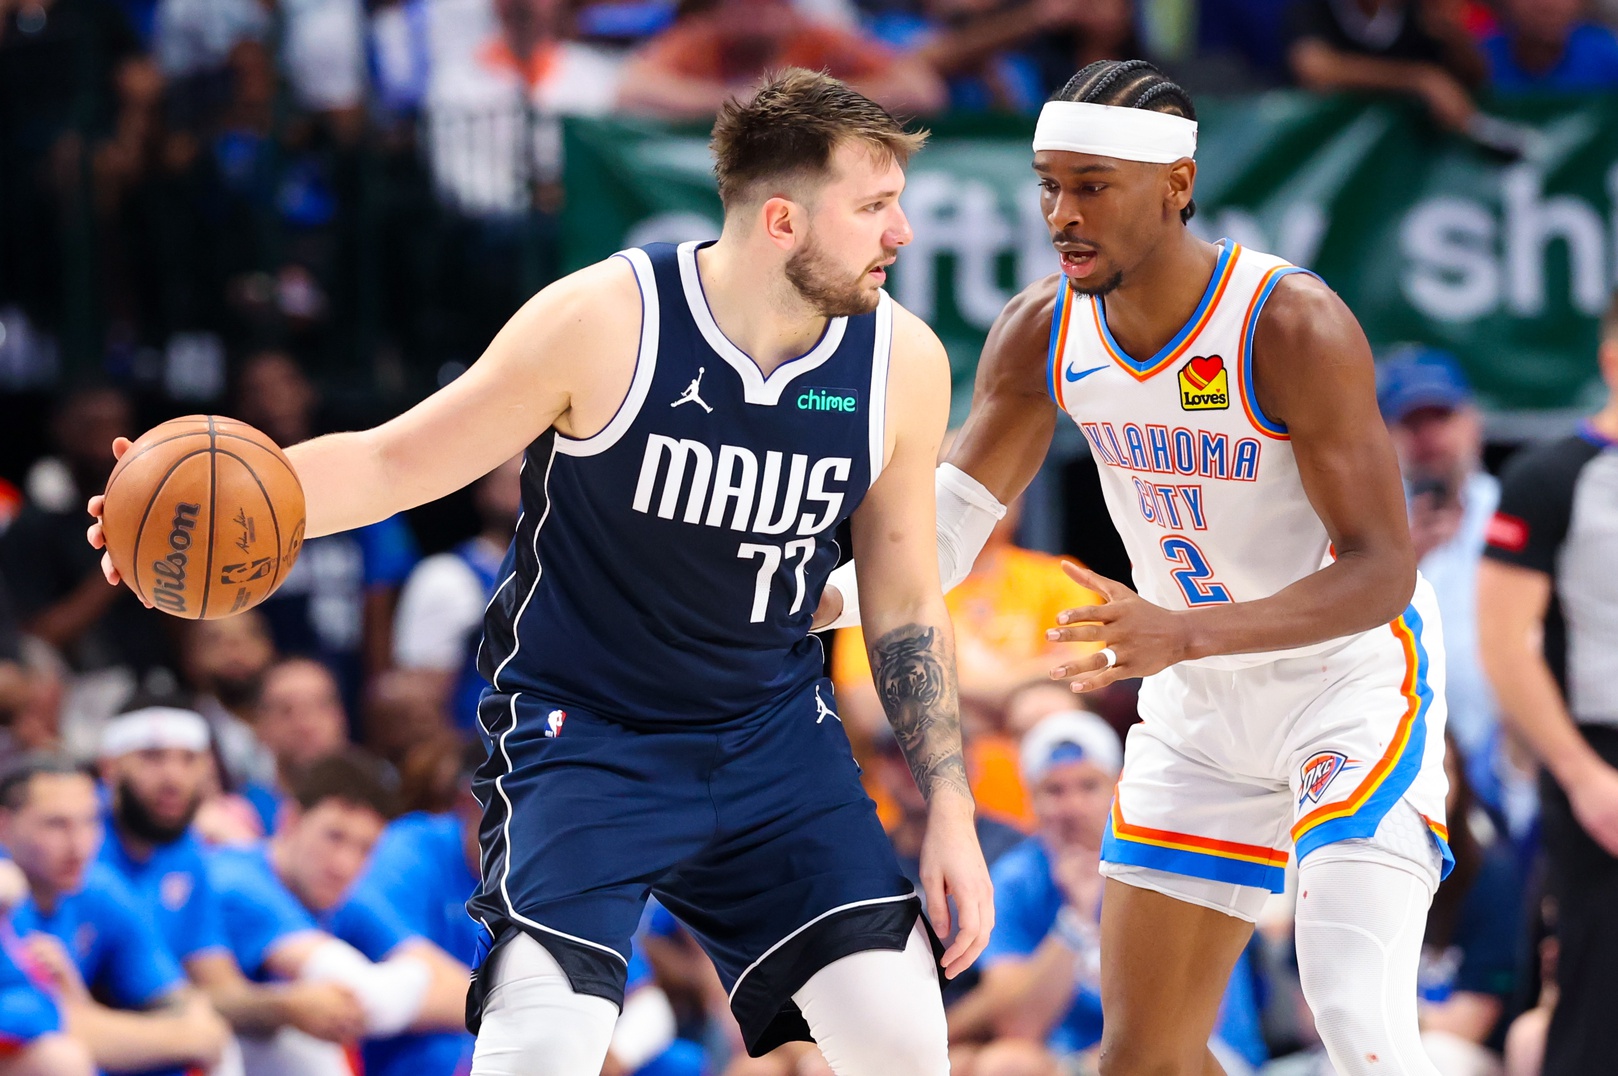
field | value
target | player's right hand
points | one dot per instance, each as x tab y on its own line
326	1010
96	536
1594	798
952	866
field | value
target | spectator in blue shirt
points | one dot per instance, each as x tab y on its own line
439	624
155	763
32	1042
120	991
1041	970
1550	45
300	718
291	910
337	603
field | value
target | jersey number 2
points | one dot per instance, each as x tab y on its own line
1193	575
803	549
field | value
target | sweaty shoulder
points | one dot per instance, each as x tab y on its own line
1025	323
917	361
1015	352
914	340
1304	311
588	324
1307	344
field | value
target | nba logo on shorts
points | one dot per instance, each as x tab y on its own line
553	723
1318	773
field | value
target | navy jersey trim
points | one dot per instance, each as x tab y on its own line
756	388
645	365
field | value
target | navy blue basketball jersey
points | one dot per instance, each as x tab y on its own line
667	568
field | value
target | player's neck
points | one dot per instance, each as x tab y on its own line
769	321
1159	295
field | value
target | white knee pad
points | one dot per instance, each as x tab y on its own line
1359	931
533	1022
879	1012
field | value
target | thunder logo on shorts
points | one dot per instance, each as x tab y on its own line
1319	772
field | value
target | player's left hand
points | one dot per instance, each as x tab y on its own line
952	866
1145	638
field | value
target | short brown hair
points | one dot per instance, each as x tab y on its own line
787	130
351	777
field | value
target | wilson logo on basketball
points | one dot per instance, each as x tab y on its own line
168	590
1204	385
1318	772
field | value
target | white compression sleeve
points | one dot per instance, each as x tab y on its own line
391	992
645	1028
967	513
533	1022
1359	932
879	1013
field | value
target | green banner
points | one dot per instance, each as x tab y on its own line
1426	236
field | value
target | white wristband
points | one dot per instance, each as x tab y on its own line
967	514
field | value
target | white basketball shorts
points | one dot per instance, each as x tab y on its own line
1230	773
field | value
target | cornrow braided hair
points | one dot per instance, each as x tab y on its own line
1131	84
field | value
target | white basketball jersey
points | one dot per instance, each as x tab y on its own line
1202	486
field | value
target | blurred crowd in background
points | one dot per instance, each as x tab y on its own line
309	213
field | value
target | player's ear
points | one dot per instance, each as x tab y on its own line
782	220
1181	184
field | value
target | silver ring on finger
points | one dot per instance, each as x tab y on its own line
1110	655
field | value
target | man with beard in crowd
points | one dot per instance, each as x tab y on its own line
224	662
154	763
84	932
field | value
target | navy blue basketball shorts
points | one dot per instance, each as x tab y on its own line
755	834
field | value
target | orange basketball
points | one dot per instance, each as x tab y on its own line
204	516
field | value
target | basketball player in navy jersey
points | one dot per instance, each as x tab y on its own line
1292	700
697	422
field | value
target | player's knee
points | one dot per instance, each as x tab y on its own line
1015	1057
902	1046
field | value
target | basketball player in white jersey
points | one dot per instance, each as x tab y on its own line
658	714
1293	695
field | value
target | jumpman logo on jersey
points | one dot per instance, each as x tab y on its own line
822	711
693	393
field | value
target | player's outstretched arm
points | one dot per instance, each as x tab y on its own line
908	634
997	454
1314	373
551	350
574	343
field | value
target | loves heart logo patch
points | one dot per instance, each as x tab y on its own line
1204	384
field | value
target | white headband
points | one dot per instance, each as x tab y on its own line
154	727
1069	736
1129	134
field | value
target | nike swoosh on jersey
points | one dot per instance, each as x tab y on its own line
1080	375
